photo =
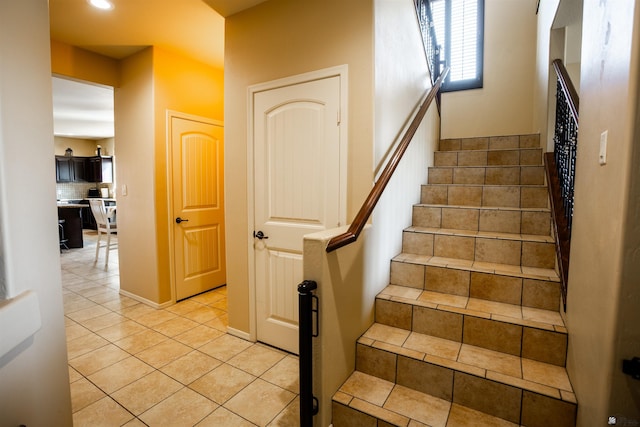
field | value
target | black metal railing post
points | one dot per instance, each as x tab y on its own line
431	47
306	310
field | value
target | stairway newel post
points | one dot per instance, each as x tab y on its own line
308	403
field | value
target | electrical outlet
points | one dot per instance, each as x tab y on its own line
602	158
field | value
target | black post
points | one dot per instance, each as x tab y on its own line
308	405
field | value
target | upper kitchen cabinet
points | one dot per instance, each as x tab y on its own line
79	169
64	169
107	169
70	169
84	169
100	169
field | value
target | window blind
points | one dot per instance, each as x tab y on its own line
458	26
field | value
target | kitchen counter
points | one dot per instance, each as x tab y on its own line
72	226
72	206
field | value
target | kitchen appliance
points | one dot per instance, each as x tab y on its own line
93	193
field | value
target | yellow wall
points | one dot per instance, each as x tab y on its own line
80	147
505	105
81	64
153	81
187	86
83	147
277	39
603	293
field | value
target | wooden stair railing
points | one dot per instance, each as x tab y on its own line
351	235
560	170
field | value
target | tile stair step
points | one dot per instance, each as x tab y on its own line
510	196
527	286
534	221
503	248
359	403
490	143
508	328
495	157
487	175
395	361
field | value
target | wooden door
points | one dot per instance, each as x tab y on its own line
198	206
296	192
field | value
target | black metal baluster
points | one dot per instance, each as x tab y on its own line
308	403
565	142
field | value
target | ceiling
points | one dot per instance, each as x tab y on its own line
191	28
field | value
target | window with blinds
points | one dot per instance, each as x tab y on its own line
459	26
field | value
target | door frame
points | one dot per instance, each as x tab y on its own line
170	114
339	71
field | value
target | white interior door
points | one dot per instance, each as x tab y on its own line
198	206
296	192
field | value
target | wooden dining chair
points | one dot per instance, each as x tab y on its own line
105	226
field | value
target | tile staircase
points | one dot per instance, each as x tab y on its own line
469	332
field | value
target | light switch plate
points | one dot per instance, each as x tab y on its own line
602	158
124	189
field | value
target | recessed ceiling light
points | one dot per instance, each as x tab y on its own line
101	4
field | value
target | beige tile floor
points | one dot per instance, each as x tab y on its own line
133	365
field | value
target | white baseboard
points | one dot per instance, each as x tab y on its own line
146	301
240	334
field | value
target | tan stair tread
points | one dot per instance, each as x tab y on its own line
489	149
538	377
548	320
482	234
402	406
482	166
484	208
481	266
488	185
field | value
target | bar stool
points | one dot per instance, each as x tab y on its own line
63	240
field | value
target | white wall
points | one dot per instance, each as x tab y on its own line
505	105
34	383
401	79
603	294
350	278
544	89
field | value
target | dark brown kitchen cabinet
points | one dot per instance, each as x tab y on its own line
100	169
70	169
79	169
64	169
94	169
72	225
84	169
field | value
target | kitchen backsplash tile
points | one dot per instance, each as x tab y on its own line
75	190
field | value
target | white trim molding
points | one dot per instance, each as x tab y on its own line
20	317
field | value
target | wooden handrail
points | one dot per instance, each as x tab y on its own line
351	235
559	223
568	89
